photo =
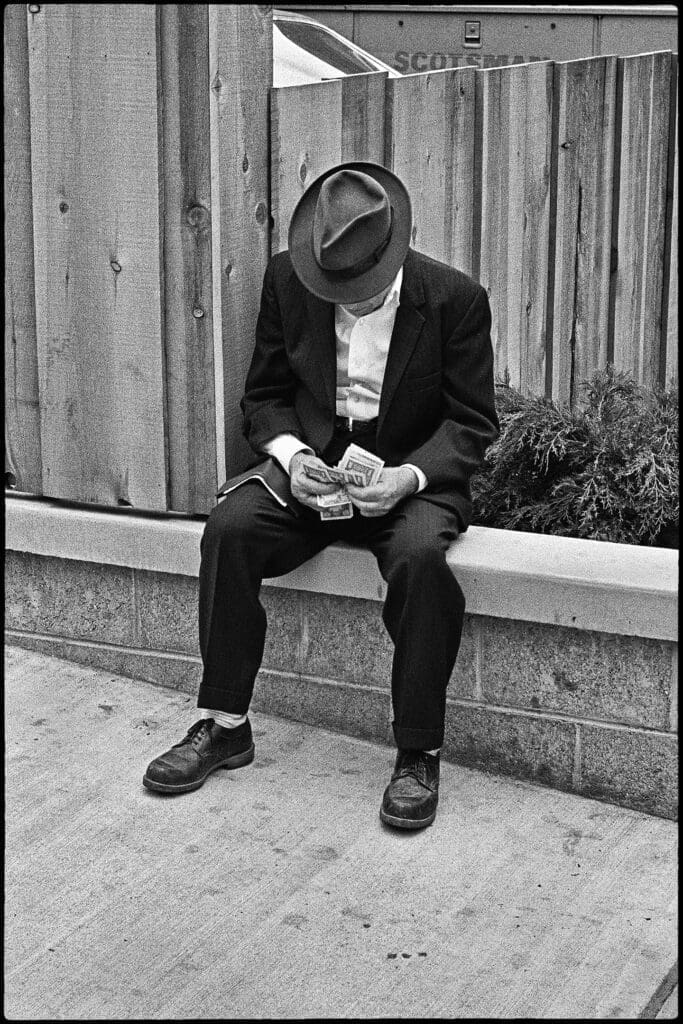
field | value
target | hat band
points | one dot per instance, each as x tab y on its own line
347	273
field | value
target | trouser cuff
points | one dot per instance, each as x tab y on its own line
417	739
219	698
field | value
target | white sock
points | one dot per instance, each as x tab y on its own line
224	718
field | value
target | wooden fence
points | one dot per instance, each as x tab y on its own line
150	171
137	232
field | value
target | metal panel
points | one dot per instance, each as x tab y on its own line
414	42
414	39
628	35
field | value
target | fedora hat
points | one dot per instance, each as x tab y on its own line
350	232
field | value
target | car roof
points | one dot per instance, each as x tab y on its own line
294	64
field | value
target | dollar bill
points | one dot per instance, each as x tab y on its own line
334	475
346	476
357	460
342	511
319	473
338	497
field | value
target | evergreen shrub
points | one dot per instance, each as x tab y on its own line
608	470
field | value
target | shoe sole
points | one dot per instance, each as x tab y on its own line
391	819
236	761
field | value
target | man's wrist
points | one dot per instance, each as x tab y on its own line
411	481
301	451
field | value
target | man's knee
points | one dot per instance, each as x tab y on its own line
418	561
232	520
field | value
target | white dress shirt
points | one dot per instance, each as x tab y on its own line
362	348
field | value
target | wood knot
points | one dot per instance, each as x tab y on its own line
115	266
261	213
197	216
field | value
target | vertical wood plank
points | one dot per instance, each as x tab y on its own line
241	70
314	127
93	84
187	256
643	138
363	99
22	417
430	145
514	119
585	98
669	369
305	141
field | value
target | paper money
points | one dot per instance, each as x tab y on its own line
319	473
333	475
357	460
338	497
357	466
343	511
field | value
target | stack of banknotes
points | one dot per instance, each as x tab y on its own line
356	466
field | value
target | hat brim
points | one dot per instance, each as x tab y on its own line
327	284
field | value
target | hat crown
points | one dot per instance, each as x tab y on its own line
352	220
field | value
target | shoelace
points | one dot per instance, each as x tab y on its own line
413	763
194	730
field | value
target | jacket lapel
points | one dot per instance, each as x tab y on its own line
320	324
407	328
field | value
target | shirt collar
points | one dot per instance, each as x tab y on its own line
395	290
392	298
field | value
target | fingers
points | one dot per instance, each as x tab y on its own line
306	485
373	493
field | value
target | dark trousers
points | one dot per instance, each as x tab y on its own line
249	536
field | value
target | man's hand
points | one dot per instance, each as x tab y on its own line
303	487
394	485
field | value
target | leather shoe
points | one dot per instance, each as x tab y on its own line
207	746
411	797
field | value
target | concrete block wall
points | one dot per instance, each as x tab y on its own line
574	708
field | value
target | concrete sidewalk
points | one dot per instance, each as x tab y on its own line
276	892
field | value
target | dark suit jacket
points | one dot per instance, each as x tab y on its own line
437	403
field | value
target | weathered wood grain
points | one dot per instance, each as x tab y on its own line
93	89
187	256
644	87
240	69
22	416
669	369
315	127
430	145
514	156
581	219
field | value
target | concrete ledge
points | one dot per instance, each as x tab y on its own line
578	709
582	584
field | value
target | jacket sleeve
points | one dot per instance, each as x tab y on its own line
469	423
268	400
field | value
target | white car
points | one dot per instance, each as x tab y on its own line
304	51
